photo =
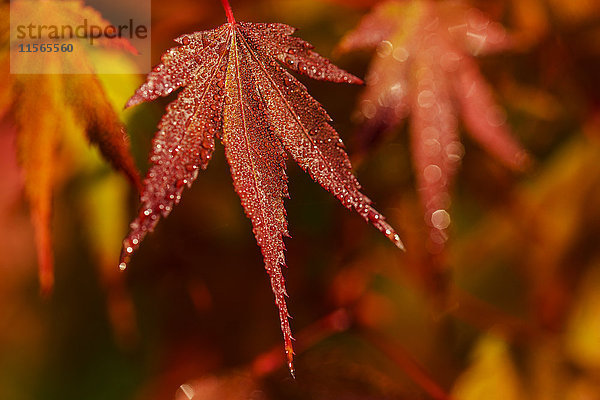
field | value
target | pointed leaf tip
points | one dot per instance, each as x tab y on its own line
289	351
399	244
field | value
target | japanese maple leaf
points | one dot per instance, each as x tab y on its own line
48	109
424	67
235	89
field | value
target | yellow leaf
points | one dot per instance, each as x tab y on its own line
582	340
491	375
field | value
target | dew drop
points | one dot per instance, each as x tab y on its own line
431	147
438	238
450	61
190	167
123	266
373	215
432	173
368	109
400	54
385	49
477	19
188	391
288	81
185	41
426	99
455	151
496	33
431	132
440	219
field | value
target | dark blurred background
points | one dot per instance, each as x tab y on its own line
516	315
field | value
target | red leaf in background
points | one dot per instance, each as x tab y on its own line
235	89
424	67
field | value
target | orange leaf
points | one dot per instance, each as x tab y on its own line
49	107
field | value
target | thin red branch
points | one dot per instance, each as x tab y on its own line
484	316
408	364
228	11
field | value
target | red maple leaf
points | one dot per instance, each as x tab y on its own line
235	89
424	67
